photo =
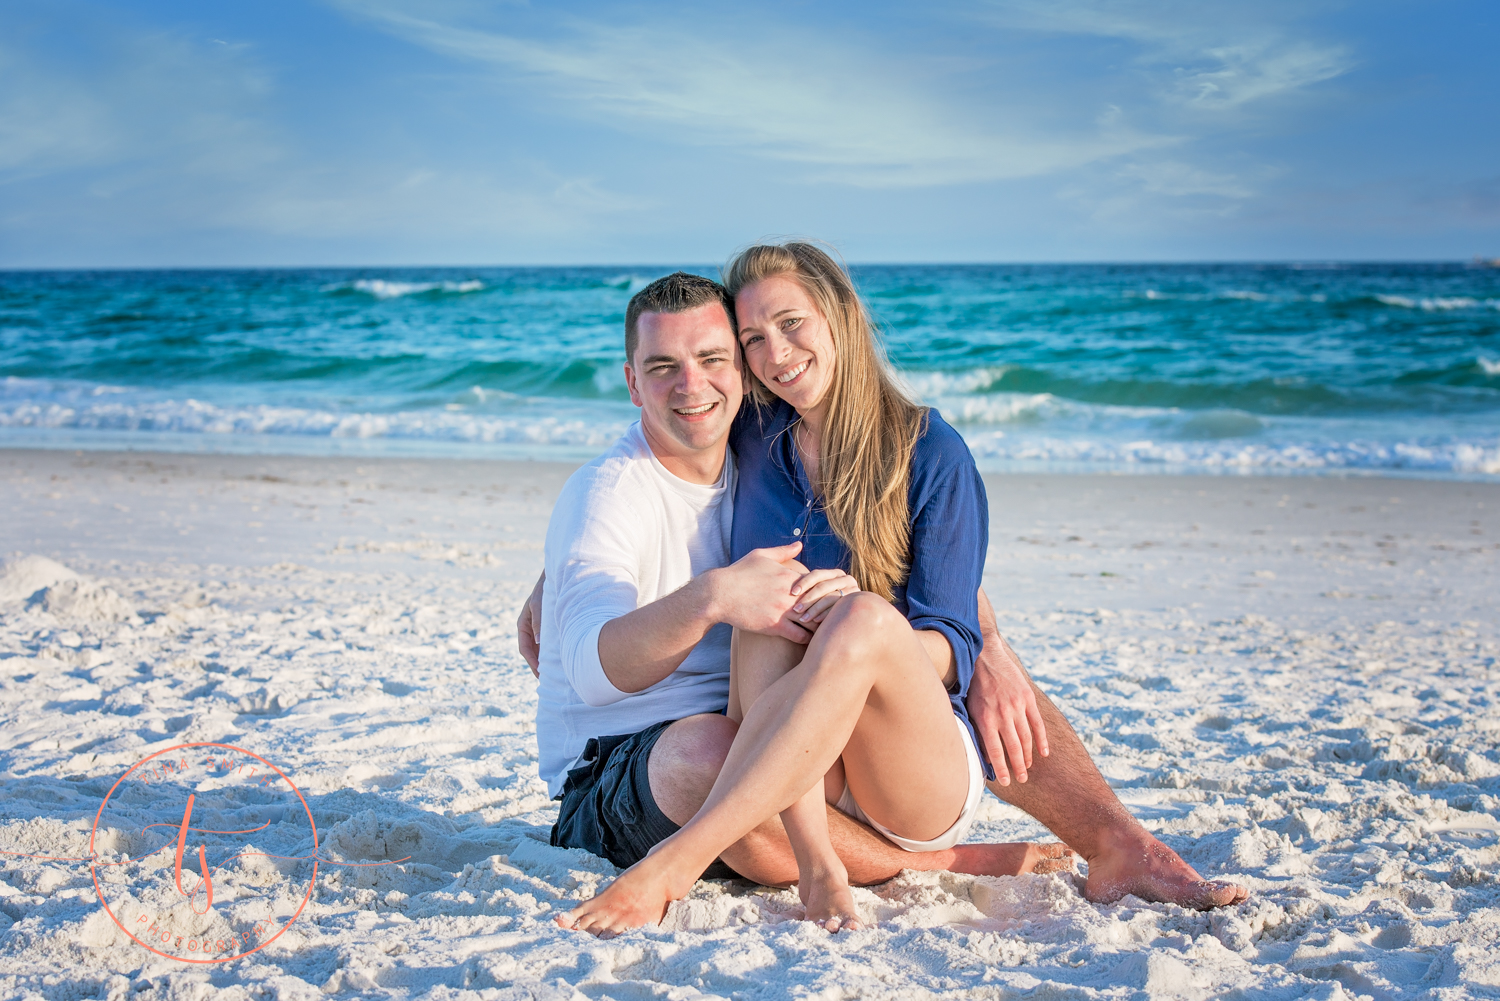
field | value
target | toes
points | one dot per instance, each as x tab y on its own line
599	927
1241	894
1218	893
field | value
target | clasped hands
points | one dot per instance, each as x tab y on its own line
765	591
769	591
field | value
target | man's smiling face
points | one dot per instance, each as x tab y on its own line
687	379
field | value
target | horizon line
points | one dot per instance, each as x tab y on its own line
1477	260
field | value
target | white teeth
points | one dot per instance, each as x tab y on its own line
789	376
690	411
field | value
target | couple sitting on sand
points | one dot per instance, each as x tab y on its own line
709	705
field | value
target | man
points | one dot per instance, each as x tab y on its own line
634	624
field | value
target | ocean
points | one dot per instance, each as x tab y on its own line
1224	368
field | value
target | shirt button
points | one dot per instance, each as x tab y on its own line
808	504
796	531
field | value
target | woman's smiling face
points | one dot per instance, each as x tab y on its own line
787	342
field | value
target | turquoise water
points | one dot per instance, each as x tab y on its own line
1250	368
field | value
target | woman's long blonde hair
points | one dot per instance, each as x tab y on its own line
872	426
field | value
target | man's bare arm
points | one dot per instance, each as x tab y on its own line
529	627
1002	704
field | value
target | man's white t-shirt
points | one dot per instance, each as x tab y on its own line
624	533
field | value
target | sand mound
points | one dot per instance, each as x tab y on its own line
23	577
47	584
83	599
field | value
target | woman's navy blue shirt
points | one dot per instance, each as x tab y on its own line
774	505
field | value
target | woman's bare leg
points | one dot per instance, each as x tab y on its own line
865	672
757	662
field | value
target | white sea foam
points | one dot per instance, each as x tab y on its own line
198	417
1438	303
380	288
1428	303
992	448
928	385
1001	408
1002	428
1244	294
1490	367
628	283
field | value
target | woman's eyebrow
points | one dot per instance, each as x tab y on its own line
776	316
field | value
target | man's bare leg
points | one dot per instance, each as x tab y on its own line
756	663
865	682
1066	793
686	761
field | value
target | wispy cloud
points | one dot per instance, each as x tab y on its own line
157	133
846	115
139	98
507	130
47	123
1212	57
1199	71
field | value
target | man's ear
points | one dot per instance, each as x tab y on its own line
635	395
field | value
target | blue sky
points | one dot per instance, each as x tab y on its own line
468	132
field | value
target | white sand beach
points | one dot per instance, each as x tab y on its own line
1293	681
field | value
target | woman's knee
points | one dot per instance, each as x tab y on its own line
864	620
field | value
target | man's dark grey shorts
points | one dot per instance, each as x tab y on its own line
607	807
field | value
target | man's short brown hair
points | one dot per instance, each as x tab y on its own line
676	293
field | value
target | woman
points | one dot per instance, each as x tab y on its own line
870	713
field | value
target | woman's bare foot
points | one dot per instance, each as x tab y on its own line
639	896
829	900
1013	858
1149	869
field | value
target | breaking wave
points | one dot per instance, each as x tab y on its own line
1417	456
1437	303
380	288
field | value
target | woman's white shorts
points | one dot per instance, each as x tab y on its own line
960	826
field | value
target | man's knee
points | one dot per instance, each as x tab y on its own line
685	762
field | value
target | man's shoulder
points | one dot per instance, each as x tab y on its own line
606	502
620	468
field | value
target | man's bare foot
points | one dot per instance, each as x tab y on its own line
1149	869
1014	858
639	896
829	900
